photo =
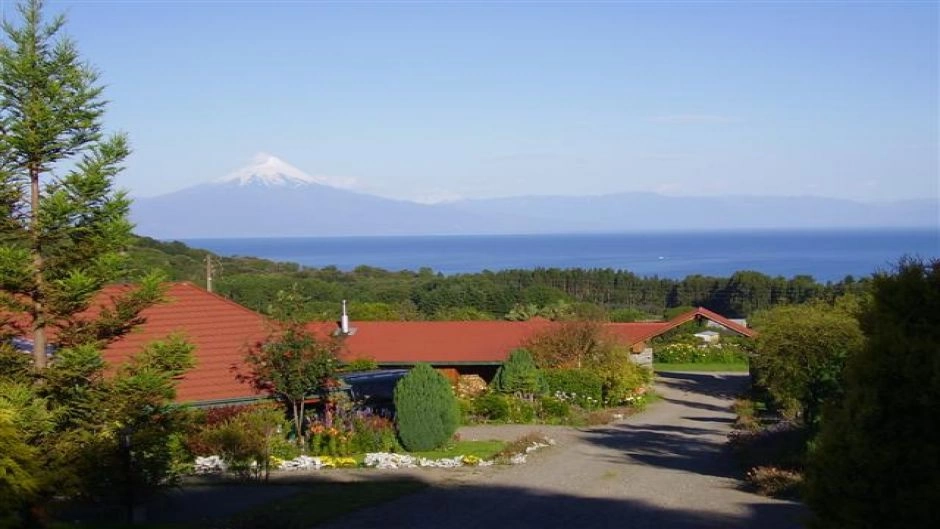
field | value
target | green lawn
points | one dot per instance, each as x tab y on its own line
704	366
481	449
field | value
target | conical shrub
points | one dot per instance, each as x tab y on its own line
426	411
518	374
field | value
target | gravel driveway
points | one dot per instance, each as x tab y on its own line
665	468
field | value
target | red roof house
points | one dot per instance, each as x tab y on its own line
221	330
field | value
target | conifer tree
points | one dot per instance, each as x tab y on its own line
62	223
63	227
518	374
426	410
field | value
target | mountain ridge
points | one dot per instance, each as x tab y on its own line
272	198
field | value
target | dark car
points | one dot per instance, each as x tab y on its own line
374	389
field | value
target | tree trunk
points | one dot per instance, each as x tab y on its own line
298	409
39	309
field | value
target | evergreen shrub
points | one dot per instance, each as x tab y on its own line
427	414
519	374
492	407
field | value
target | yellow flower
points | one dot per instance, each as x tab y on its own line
471	460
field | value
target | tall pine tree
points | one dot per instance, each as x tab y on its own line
63	225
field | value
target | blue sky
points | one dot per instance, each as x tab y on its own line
428	100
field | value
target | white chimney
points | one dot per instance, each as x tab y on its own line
344	321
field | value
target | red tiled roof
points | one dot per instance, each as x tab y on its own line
456	342
220	329
702	312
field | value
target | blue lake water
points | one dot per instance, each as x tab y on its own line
825	255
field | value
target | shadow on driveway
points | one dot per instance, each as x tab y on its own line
683	448
482	507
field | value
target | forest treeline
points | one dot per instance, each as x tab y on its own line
378	294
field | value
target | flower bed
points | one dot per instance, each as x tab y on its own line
387	460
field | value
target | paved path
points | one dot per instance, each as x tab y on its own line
667	468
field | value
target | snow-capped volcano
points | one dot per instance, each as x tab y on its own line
270	171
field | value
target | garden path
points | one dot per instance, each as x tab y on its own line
666	468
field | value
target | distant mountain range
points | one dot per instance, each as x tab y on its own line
272	198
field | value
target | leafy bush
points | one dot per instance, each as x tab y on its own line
465	407
426	409
690	353
344	428
521	411
876	461
801	353
581	387
246	440
622	379
553	408
373	434
19	467
520	375
492	407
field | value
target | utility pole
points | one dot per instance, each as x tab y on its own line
209	272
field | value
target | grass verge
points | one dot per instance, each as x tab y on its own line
704	367
481	449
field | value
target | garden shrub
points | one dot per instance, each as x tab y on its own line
328	440
521	411
245	440
520	375
492	407
426	409
373	434
343	428
553	408
801	353
465	406
622	379
582	387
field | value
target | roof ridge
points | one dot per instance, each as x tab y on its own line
220	297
